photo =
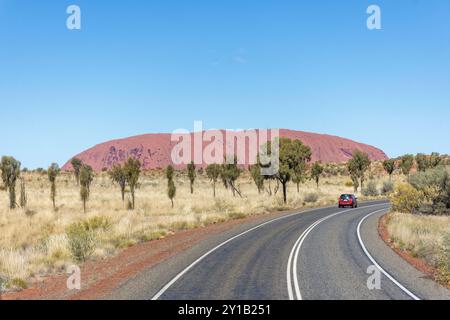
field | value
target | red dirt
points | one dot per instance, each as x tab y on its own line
154	150
419	263
101	277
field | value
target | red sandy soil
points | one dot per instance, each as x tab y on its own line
419	263
154	150
101	277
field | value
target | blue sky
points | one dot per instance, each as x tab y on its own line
156	66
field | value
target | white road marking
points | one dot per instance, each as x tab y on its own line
182	273
398	284
293	257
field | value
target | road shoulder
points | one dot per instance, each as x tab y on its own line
420	283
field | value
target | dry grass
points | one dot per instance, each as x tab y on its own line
426	237
34	243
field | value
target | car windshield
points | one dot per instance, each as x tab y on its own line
345	197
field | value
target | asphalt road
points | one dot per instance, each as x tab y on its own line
319	254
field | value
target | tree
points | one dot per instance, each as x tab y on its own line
292	155
316	172
357	167
406	163
255	172
23	194
117	175
300	175
213	173
192	175
389	167
422	162
86	178
10	168
76	165
132	170
53	171
435	160
171	189
229	173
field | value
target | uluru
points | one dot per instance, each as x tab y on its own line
154	150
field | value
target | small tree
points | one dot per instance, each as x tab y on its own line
76	165
171	189
292	154
23	194
406	163
192	175
86	178
422	162
53	171
300	175
229	173
357	167
255	171
213	173
389	167
435	160
117	175
132	169
10	168
316	172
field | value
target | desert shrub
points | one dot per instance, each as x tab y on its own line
311	197
371	189
435	186
81	241
388	188
348	183
405	198
97	223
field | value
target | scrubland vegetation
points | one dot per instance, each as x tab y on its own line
420	222
63	218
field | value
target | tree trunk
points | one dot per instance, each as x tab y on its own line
284	193
214	189
298	187
172	202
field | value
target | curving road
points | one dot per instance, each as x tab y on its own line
318	254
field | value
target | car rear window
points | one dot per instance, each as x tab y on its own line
345	197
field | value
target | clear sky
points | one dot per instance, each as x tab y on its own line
155	66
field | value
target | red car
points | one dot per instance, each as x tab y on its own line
348	200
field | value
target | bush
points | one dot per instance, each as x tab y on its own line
349	184
388	188
371	189
311	197
97	223
81	241
405	198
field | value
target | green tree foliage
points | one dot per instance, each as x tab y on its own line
389	167
292	155
255	171
53	172
213	173
76	165
191	175
117	175
229	173
132	169
10	168
436	159
86	178
171	188
405	199
422	162
406	163
357	167
434	184
300	175
316	172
